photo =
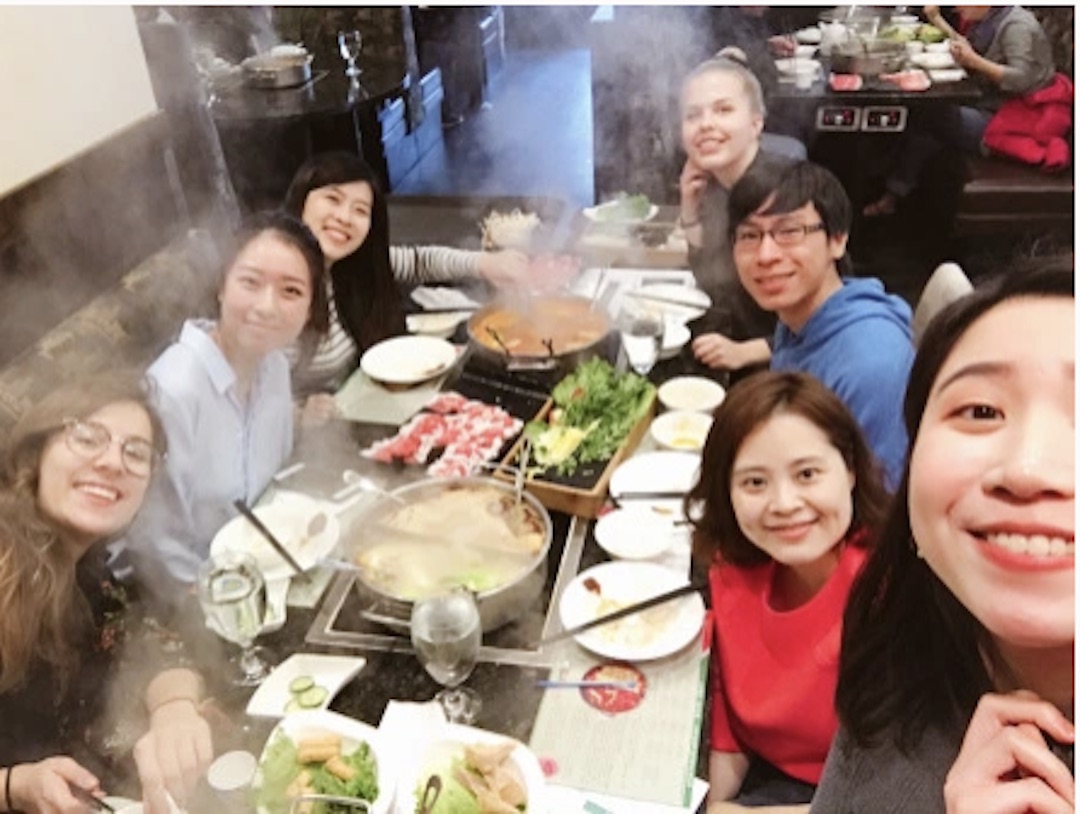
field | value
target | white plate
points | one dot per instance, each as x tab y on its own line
676	335
691	393
440	325
808	36
904	19
684	430
674	472
635	533
680	303
789	66
933	61
947	75
448	742
352	732
652	634
287	516
125	806
329	672
593	213
408	359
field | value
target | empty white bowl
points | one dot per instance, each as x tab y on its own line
691	393
634	533
676	335
683	430
937	47
805	51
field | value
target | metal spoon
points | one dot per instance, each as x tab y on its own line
360	483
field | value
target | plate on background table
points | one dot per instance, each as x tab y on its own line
651	634
448	743
610	213
680	303
328	674
408	359
288	516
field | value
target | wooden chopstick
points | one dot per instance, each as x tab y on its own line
252	518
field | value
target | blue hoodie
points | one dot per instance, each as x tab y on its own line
859	344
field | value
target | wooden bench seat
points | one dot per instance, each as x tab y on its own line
1004	196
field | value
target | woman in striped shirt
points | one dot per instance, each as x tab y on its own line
339	197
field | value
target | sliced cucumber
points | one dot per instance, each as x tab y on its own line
293	706
300	684
312	697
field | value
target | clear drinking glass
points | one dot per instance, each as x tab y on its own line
349	46
446	636
232	593
642	331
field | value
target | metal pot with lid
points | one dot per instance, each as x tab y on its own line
283	66
429	536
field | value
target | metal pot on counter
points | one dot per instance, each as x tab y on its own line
280	67
428	536
555	332
867	57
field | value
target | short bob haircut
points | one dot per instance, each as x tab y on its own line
748	405
365	292
730	64
912	656
294	233
777	189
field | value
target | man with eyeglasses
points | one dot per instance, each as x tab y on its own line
789	230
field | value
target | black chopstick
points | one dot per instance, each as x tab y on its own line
96	803
243	508
446	309
630	610
668	495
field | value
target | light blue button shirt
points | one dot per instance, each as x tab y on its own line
220	449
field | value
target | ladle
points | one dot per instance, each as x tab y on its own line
361	483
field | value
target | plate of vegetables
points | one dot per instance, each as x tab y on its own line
322	752
623	209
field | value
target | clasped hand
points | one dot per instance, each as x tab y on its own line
1005	765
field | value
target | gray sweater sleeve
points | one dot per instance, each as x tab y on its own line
1023	50
417	265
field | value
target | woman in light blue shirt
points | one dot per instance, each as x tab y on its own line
225	398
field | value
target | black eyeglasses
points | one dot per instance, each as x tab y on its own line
90	439
750	237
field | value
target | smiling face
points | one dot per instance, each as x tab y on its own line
265	299
791	493
90	499
993	472
340	217
792	281
720	129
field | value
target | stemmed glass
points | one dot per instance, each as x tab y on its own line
349	46
642	331
232	593
446	636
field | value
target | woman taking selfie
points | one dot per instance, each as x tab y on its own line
956	675
72	476
225	397
723	114
785	509
339	198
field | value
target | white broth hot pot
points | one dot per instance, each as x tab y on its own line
427	537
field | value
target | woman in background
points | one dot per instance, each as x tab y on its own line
956	674
789	498
73	475
225	397
338	196
723	114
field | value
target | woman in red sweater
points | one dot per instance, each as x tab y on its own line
784	511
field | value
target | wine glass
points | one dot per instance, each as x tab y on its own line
642	331
446	636
232	593
349	46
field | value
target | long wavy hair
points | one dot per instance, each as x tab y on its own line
43	614
748	405
365	293
912	656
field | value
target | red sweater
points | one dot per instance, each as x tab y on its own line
1032	128
774	674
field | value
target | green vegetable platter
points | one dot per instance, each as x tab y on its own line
323	752
595	416
623	208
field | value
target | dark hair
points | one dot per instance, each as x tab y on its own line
365	293
787	187
912	655
295	234
748	405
